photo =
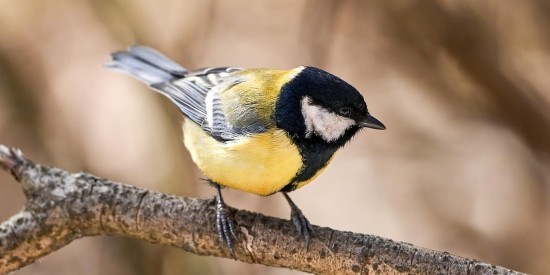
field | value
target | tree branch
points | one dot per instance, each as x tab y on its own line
63	206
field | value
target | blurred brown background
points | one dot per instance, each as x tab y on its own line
463	86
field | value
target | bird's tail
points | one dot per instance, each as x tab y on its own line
146	64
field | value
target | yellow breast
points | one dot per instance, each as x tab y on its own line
262	164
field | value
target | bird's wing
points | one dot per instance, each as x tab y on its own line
198	96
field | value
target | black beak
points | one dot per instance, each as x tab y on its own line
371	122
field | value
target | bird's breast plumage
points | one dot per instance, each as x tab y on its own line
261	164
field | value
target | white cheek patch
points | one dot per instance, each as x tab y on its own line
318	120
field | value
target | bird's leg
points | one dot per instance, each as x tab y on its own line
224	223
299	220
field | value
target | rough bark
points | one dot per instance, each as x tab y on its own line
63	206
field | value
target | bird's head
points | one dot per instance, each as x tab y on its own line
318	105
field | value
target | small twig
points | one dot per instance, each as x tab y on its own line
62	206
12	159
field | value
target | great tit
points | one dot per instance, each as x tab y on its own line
261	131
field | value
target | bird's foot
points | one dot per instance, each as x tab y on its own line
301	223
225	226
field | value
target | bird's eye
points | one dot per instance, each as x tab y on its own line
345	111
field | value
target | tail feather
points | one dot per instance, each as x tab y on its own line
146	64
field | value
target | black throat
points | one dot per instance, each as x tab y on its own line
316	153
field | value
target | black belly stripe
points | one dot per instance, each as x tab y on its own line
315	156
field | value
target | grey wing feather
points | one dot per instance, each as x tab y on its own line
196	93
216	121
198	97
187	98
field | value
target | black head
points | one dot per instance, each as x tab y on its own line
319	105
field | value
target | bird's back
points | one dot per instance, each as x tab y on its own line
253	99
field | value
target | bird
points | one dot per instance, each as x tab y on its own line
261	131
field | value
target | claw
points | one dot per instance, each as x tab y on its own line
224	223
303	227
